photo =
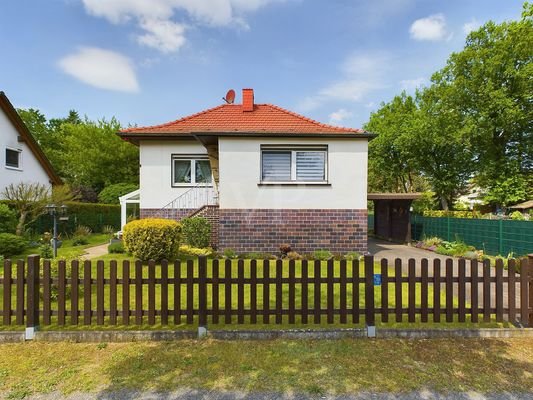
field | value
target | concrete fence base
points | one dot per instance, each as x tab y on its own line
290	334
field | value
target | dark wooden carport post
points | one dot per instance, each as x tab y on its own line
32	293
530	323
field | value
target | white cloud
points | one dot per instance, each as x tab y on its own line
163	35
361	74
471	25
429	28
156	17
412	84
101	68
337	117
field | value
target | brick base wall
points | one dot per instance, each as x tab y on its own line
264	230
175	214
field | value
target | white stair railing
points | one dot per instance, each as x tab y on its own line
198	196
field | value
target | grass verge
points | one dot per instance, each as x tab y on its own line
305	366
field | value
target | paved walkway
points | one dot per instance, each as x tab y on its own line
389	250
94	252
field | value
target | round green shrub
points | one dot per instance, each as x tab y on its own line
116	248
152	238
196	231
111	193
11	244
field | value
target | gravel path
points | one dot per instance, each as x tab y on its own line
96	251
190	394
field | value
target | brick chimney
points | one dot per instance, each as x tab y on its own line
247	100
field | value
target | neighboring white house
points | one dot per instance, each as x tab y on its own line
21	158
263	175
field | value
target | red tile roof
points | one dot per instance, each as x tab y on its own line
230	118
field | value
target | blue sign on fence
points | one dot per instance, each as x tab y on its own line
377	279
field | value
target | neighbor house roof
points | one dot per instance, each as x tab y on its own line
523	206
26	137
240	119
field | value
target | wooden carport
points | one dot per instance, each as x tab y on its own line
392	215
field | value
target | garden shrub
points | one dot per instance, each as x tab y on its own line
152	238
11	244
111	193
8	219
322	255
285	249
230	253
81	235
116	248
196	231
452	214
46	251
195	251
517	216
352	255
293	255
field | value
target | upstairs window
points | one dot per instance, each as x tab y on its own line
299	165
188	171
13	158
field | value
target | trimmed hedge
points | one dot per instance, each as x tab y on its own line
92	215
152	238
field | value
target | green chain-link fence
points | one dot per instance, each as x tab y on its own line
492	236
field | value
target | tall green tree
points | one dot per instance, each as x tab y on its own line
437	147
95	156
489	84
392	168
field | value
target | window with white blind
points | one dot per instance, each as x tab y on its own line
294	165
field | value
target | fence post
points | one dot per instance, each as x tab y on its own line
202	296
448	229
370	311
530	324
32	293
500	236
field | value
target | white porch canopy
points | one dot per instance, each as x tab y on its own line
129	198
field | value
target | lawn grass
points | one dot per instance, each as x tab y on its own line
67	249
260	325
279	366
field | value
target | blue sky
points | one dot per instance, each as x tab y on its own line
152	61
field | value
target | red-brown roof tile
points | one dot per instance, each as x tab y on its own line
230	118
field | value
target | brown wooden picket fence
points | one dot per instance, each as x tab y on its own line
202	291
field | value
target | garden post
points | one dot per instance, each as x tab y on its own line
32	293
370	312
202	296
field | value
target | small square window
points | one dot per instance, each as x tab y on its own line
190	170
13	158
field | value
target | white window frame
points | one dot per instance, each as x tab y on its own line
293	150
192	158
19	151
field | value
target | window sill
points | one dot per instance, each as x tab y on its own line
191	185
294	184
13	168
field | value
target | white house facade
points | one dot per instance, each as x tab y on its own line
21	159
264	176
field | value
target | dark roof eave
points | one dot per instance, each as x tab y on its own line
187	135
